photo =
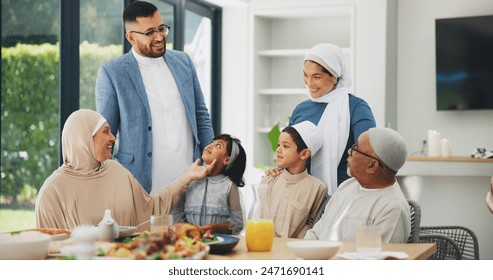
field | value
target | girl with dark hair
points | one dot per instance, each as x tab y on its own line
214	203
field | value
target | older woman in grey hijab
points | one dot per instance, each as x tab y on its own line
89	181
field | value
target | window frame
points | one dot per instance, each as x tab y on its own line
70	57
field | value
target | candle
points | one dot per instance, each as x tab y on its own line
445	148
434	138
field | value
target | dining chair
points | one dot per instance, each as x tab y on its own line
321	209
447	248
415	209
464	237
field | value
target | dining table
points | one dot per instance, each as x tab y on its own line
280	250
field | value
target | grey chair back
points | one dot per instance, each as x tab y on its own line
447	248
464	237
415	221
321	209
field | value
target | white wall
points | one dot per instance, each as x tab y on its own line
466	130
392	74
371	49
446	200
235	71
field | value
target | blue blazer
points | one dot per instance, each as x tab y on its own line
121	98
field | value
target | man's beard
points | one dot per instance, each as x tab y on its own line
148	52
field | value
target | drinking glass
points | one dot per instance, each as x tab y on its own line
159	222
368	241
259	235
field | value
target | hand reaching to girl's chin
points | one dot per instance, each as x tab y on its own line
198	172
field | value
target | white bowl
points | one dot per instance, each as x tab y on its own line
314	249
24	246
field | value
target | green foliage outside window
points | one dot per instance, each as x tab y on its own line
30	112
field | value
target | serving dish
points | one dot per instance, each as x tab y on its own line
56	234
314	249
25	245
227	243
124	231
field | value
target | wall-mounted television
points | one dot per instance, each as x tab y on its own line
464	63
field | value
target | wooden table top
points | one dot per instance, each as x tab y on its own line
280	251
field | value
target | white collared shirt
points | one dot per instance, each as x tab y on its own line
172	138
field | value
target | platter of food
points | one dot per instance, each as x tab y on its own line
179	241
147	247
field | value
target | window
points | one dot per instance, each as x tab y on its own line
195	29
101	37
30	104
51	51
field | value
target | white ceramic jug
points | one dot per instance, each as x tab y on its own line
108	228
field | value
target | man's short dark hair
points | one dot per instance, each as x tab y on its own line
138	9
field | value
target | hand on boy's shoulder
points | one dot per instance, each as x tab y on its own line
274	172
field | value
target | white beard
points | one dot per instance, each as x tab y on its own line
349	172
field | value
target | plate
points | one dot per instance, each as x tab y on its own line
382	256
197	256
200	255
124	231
65	248
225	246
56	234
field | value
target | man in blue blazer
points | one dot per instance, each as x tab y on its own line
153	102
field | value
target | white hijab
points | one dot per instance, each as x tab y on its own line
335	121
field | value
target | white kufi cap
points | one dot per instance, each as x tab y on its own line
310	134
389	146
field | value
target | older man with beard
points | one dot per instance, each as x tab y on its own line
373	196
153	102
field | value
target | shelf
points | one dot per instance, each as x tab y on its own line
450	159
299	12
282	91
277	61
283	53
452	166
292	52
264	129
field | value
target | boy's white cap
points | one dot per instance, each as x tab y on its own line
310	134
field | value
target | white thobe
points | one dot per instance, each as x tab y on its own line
352	206
172	138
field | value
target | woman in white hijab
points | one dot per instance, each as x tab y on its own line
89	181
339	114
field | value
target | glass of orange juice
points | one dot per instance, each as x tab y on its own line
259	235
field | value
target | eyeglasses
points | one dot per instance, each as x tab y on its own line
164	30
353	148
